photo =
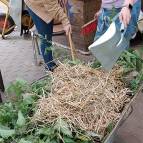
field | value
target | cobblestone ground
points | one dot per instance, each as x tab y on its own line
16	59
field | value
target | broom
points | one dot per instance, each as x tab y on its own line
89	27
72	47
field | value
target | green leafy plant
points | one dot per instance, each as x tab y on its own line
62	127
15	123
95	64
21	120
136	82
73	62
132	62
18	87
42	85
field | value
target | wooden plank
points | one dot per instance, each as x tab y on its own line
131	130
1	83
130	123
0	97
1	86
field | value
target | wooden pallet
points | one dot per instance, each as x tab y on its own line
2	89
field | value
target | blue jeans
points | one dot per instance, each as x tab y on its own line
107	15
45	30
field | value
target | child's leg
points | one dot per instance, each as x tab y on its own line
45	30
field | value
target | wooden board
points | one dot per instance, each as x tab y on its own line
129	128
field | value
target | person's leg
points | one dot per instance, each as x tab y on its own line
100	26
104	21
45	30
106	16
132	27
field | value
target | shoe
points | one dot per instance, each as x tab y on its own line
51	69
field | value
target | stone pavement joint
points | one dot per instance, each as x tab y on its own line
16	59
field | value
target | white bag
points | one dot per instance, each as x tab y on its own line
16	11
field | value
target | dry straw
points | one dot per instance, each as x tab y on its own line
87	98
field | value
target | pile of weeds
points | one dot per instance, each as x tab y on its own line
16	113
20	106
132	63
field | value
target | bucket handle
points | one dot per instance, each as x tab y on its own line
123	31
122	28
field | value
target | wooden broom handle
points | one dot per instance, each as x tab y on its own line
72	47
93	20
73	52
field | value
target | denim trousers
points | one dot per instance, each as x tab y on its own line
106	16
45	30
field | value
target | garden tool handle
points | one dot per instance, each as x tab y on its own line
73	51
122	29
72	47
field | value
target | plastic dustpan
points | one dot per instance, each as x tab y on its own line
108	48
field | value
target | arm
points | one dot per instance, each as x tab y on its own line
125	14
127	2
54	9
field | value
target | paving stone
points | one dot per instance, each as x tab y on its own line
16	59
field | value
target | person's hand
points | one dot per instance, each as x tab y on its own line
125	16
67	29
97	14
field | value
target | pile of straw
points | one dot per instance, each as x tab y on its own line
90	99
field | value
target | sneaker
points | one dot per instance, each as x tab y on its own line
51	69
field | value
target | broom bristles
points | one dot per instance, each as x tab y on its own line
89	27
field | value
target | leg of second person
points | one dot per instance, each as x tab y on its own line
132	27
45	30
